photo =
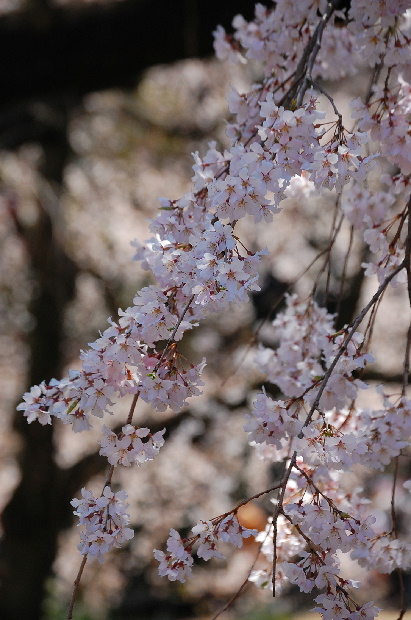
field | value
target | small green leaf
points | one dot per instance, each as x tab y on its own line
73	406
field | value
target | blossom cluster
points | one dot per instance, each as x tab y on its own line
105	522
315	367
278	137
134	445
177	563
308	345
277	37
325	445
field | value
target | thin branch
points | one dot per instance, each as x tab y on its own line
237	594
312	546
330	99
277	511
246	501
275	537
107	483
407	259
245	582
400	572
405	381
306	63
374	79
348	338
336	229
315	407
406	366
275	305
344	272
109	477
129	420
393	511
75	587
318	491
132	408
171	339
369	330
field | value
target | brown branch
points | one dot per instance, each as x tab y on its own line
278	509
348	338
75	587
312	546
400	572
107	483
330	99
406	366
344	272
275	305
244	584
315	407
407	259
233	511
170	341
305	65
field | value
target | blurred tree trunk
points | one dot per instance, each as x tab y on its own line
36	513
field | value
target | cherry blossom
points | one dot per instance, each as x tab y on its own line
104	520
176	564
280	145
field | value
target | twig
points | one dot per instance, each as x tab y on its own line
132	408
246	501
275	305
369	330
406	371
129	420
407	259
245	582
374	79
393	512
344	273
405	381
315	407
237	594
305	65
330	99
75	587
348	338
400	572
317	490
171	339
277	511
275	536
312	546
107	483
336	229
